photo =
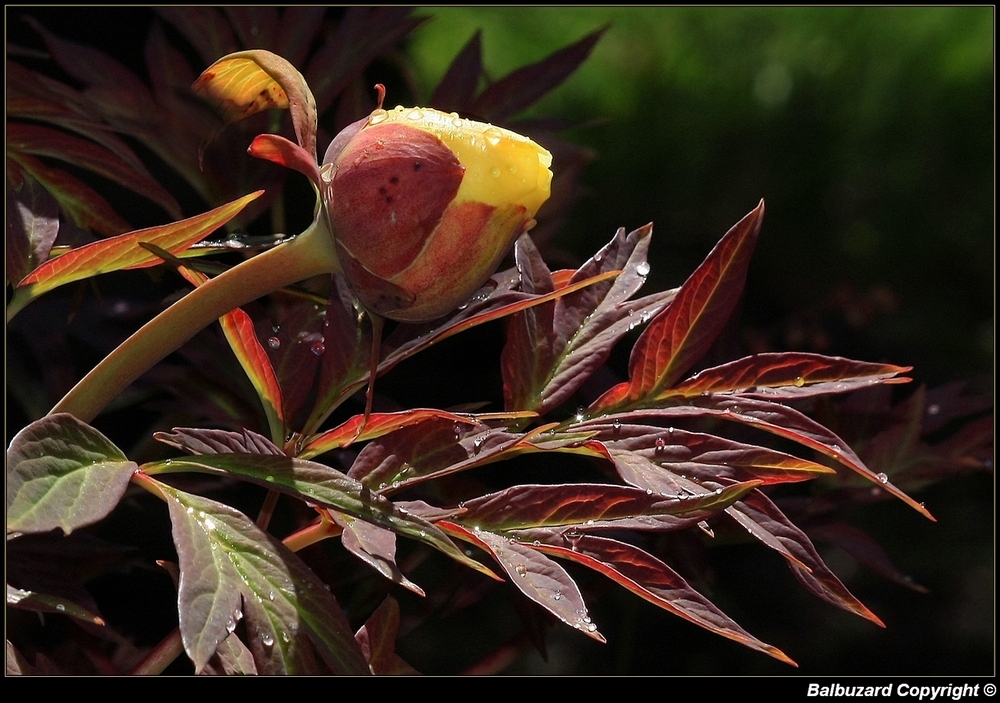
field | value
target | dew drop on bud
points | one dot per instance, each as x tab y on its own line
415	114
493	136
495	172
378	116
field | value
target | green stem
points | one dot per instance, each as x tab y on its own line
310	254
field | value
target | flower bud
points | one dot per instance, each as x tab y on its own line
423	206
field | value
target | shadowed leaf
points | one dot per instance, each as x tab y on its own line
521	88
43	603
62	473
866	550
375	546
762	519
680	335
457	88
197	441
377	638
32	226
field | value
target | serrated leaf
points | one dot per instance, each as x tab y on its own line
787	375
654	581
124	252
242	338
231	658
681	334
319	484
536	576
764	521
226	560
62	473
377	638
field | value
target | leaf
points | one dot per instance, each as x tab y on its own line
44	603
377	638
80	202
242	338
777	419
44	141
32	226
356	429
247	82
224	560
277	149
316	483
680	335
764	521
62	473
654	581
231	658
457	88
521	88
375	546
197	441
863	548
537	577
787	375
584	505
124	252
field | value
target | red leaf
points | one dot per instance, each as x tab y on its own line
377	638
788	375
272	147
378	424
682	333
457	89
654	581
376	546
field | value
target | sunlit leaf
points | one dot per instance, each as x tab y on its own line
196	440
651	579
226	561
62	473
124	252
536	576
316	483
680	335
787	375
356	429
44	603
242	338
375	546
247	82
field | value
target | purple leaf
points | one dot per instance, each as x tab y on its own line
198	441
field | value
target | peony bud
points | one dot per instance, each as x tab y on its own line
423	206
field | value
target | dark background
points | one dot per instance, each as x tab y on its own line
870	133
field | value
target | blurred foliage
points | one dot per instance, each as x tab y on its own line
869	132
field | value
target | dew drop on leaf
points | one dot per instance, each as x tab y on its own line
60	607
317	348
273	342
521	571
267	641
882	478
643	268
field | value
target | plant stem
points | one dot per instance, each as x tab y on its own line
161	656
310	254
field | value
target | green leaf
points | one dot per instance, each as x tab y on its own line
62	473
290	615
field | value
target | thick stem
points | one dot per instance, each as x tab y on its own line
310	254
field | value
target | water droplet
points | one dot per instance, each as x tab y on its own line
231	626
882	478
493	136
598	256
269	479
60	607
456	120
285	637
580	415
415	114
521	571
642	269
557	595
799	381
267	641
458	430
644	318
270	595
649	491
495	172
591	627
631	312
537	543
933	409
477	445
617	424
190	510
326	173
660	444
317	348
377	116
273	342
